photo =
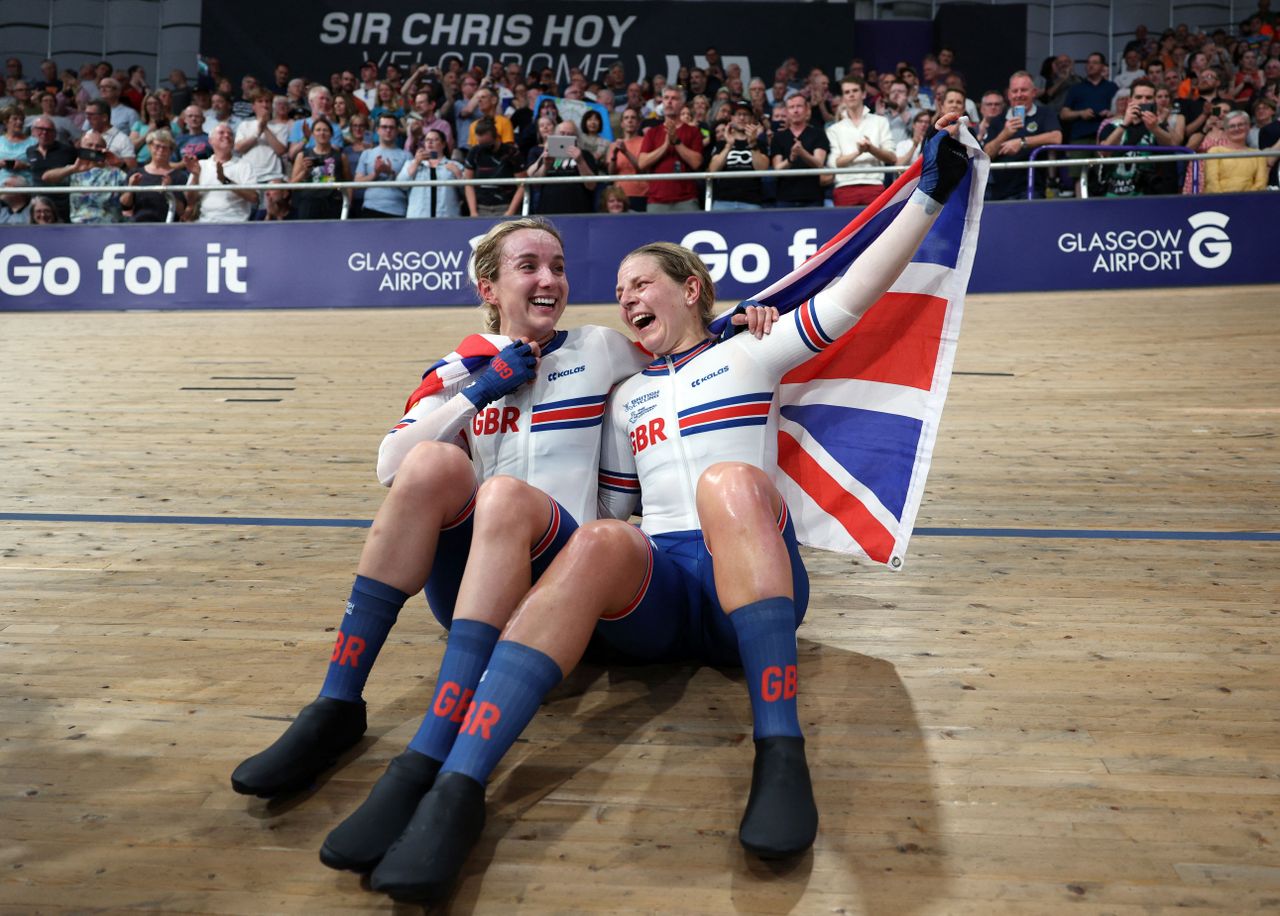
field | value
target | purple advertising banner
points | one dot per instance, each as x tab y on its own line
1024	247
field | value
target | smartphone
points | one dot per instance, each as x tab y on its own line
1149	106
93	155
558	146
1020	112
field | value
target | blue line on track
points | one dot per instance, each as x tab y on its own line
185	520
1098	534
1058	533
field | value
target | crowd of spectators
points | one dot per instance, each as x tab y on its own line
99	127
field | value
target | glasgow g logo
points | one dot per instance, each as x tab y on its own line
1209	245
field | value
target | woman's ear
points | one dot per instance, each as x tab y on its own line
692	291
484	287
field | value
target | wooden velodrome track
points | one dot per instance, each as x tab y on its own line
1011	724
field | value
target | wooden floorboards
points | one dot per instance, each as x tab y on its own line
1008	725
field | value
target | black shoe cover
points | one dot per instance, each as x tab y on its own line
310	745
422	866
781	818
360	842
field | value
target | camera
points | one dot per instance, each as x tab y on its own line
1148	106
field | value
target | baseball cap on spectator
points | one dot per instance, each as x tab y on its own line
739	105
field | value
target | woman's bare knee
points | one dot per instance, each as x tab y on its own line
735	482
435	465
508	504
603	545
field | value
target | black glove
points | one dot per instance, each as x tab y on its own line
944	167
514	365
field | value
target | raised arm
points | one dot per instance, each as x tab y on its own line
945	165
836	310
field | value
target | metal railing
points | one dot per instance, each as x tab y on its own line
1102	147
709	177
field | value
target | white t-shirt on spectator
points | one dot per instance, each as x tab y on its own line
262	158
224	206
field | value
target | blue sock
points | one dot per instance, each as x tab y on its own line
767	643
465	657
371	612
510	691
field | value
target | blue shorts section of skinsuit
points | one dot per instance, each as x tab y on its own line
677	615
454	546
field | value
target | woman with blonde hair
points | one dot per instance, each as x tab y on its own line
1223	176
497	405
153	115
159	170
714	573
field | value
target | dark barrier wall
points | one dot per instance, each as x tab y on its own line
990	42
881	43
652	37
1024	247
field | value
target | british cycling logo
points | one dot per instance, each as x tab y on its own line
1150	250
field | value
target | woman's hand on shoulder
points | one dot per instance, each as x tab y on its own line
758	319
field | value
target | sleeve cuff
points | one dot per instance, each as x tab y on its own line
930	205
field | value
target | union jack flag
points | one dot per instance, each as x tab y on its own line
474	352
858	421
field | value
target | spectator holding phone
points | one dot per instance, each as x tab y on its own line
743	149
321	164
1202	105
1013	135
431	162
94	167
14	144
1174	124
1140	127
564	157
